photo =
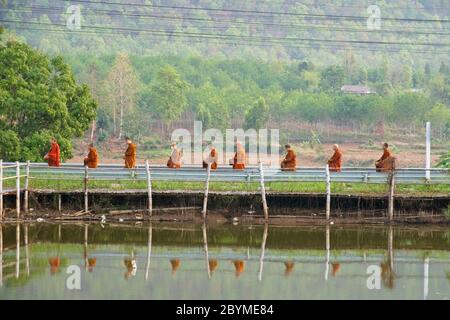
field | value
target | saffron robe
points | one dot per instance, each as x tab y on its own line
54	155
174	161
289	162
239	159
92	158
335	161
386	162
211	159
130	156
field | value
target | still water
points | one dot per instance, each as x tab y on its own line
190	261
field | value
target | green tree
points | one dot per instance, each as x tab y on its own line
39	97
257	117
332	79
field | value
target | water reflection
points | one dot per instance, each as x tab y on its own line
246	262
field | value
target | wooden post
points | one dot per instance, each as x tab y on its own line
263	192
1	255
85	251
327	248
426	273
391	181
1	190
149	189
27	252
428	152
86	199
26	186
328	184
18	189
205	198
59	203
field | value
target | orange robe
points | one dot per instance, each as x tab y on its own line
212	159
386	162
54	155
175	263
239	159
92	158
130	156
335	161
239	266
174	161
290	161
213	263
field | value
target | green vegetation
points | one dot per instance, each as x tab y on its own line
39	99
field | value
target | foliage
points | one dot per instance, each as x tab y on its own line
444	161
257	117
39	98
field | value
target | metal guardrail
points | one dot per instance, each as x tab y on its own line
40	171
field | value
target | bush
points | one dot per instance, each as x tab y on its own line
38	144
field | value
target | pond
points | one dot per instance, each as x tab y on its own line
223	261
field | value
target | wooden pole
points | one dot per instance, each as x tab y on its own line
59	203
205	198
86	199
263	192
18	189
328	184
391	180
1	255
263	250
426	273
428	152
1	190
85	247
149	189
26	186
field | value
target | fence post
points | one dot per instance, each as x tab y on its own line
26	186
428	152
1	189
263	192
205	198
328	184
18	189
86	199
391	181
59	203
149	189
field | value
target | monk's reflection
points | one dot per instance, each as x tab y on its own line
336	266
131	265
55	263
387	275
175	264
239	267
289	267
213	264
92	262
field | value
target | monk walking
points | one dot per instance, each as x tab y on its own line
174	161
289	162
335	162
53	157
386	162
239	157
130	154
91	161
211	159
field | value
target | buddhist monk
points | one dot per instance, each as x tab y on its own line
131	265
289	267
212	158
335	162
239	157
239	266
91	161
53	157
289	162
130	154
92	262
54	263
175	263
174	161
387	161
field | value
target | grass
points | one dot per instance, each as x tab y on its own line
298	187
